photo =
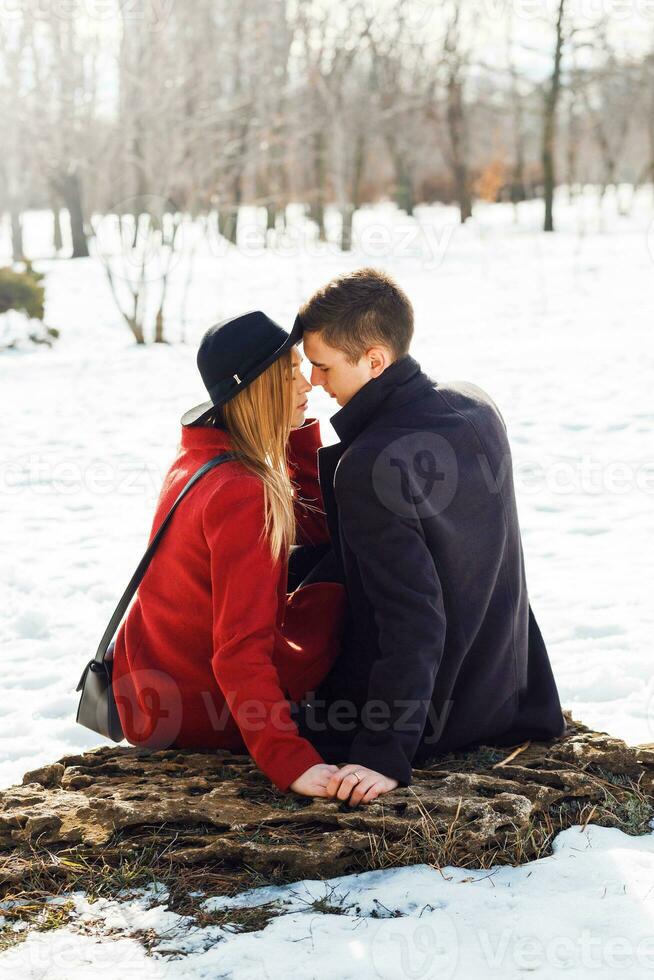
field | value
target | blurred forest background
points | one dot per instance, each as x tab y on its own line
157	112
214	104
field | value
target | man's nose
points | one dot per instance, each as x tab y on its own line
315	376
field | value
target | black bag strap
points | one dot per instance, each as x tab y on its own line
136	578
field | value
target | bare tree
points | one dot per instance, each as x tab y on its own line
273	110
645	108
552	92
226	105
400	81
608	101
332	44
14	158
140	257
454	63
519	88
573	127
63	63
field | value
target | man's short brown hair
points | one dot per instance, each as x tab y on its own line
359	309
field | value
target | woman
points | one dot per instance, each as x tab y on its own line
213	646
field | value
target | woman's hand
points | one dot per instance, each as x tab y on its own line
358	784
314	781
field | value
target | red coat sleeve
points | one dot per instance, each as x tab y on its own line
244	584
302	459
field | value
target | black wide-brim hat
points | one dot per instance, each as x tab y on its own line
233	353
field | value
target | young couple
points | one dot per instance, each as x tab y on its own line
341	612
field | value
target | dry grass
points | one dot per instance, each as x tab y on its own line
55	874
623	806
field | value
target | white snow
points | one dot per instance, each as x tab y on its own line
558	330
586	911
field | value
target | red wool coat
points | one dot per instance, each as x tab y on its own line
212	645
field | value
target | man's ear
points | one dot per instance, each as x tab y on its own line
378	359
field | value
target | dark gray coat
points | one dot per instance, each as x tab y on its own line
442	649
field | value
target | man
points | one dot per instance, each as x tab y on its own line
441	650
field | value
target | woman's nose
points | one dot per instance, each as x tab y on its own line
305	384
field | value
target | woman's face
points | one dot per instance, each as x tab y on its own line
300	389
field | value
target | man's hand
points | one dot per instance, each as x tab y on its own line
368	787
314	781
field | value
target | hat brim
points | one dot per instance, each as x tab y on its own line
200	413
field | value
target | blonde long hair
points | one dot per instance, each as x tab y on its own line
259	420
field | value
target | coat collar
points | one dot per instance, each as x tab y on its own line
401	382
205	437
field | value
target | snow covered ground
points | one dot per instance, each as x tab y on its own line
558	330
586	911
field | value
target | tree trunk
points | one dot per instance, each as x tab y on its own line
136	329
404	195
16	233
347	212
572	155
228	223
159	327
57	238
359	166
317	206
72	194
518	192
549	126
462	184
456	126
228	217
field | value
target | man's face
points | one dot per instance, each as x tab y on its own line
333	372
301	388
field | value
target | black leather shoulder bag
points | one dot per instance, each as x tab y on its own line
97	706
